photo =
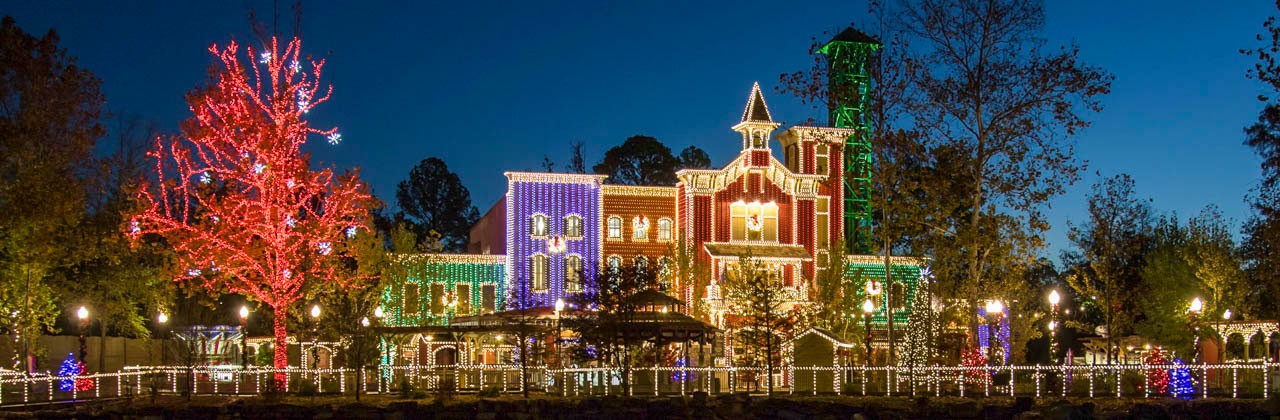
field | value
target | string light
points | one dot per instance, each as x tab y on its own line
259	204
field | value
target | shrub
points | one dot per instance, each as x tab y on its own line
307	389
490	391
405	388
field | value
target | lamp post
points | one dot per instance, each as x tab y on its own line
83	315
162	322
995	310
867	308
559	309
244	337
1193	314
315	336
1226	317
1054	300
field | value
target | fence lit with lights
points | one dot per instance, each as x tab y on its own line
1092	381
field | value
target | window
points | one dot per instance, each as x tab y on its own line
538	226
573	226
489	297
615	263
541	273
821	158
642	263
792	157
411	299
463	292
664	266
738	221
640	228
822	222
437	299
753	222
573	273
664	229
615	227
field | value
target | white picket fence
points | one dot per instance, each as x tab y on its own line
1093	381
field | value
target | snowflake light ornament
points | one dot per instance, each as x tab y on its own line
264	57
351	232
325	248
335	138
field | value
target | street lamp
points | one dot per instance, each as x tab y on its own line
163	320
867	308
244	337
1054	299
1226	317
559	308
1193	313
995	310
315	335
83	315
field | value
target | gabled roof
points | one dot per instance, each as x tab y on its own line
830	336
756	110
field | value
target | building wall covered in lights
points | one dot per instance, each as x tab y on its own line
552	233
553	236
438	287
639	224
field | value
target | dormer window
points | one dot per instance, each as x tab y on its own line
538	226
573	226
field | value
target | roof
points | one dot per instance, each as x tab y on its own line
556	178
756	110
853	35
835	339
758	250
654	297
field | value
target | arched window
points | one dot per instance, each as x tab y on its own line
664	229
573	273
573	226
538	225
640	228
615	263
541	273
615	227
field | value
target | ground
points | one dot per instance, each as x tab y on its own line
697	406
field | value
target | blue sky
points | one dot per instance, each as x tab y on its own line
494	86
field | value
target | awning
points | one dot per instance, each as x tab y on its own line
760	251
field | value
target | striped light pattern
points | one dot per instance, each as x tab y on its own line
556	196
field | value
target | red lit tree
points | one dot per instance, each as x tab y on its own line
234	194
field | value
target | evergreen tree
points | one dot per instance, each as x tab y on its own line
922	325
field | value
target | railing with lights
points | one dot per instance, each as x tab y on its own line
1093	381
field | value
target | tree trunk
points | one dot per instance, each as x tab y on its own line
768	359
280	357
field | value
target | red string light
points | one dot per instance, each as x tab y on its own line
234	194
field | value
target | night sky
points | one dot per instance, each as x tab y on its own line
495	86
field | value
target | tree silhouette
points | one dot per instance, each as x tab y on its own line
434	199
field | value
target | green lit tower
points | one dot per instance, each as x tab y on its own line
848	57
